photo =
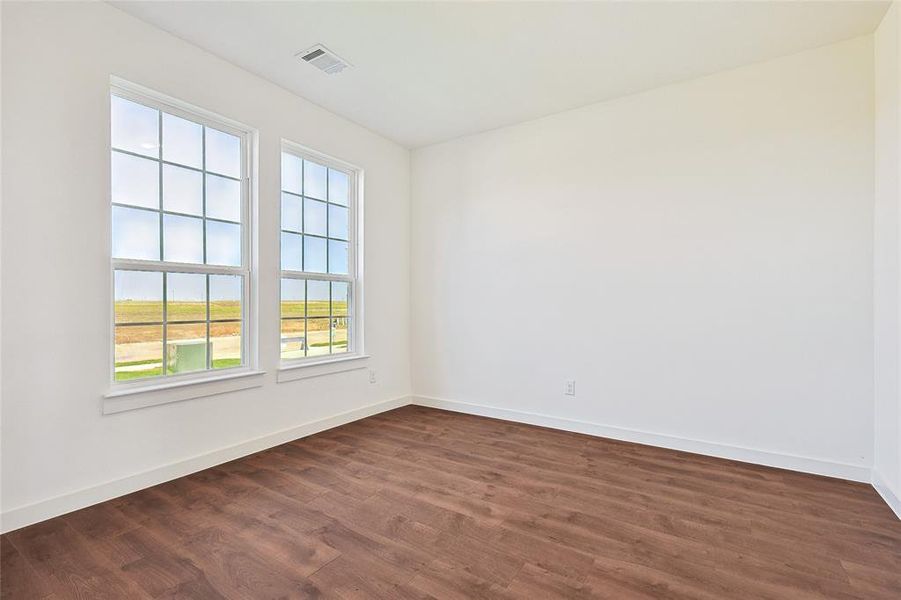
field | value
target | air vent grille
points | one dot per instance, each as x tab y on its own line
324	59
314	54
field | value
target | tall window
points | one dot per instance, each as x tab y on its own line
180	241
319	275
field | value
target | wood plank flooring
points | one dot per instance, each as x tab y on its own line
422	503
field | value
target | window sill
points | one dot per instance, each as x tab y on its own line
318	368
131	398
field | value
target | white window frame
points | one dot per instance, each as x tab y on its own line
248	269
354	277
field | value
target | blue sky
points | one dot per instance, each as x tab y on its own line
141	234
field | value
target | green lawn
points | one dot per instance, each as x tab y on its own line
218	363
132	363
129	375
336	344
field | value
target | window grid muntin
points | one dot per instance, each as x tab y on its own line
350	278
203	233
160	210
331	317
350	207
175	213
166	322
165	267
178	164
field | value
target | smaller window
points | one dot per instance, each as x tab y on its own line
319	278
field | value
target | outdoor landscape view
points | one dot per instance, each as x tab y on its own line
178	246
190	333
186	333
314	317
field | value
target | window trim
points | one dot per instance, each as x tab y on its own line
356	346
166	388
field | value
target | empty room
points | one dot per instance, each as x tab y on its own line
450	300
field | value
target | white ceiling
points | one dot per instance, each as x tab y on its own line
427	72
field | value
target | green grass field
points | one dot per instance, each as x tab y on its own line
131	311
142	344
218	363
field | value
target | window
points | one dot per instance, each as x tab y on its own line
319	280
180	240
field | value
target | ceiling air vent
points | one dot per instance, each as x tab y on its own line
324	59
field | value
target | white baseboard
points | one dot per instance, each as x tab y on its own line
39	511
890	497
748	455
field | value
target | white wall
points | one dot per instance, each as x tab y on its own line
887	302
57	61
698	258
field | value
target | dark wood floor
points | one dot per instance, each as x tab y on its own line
421	503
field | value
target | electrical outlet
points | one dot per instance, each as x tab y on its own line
569	387
372	376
